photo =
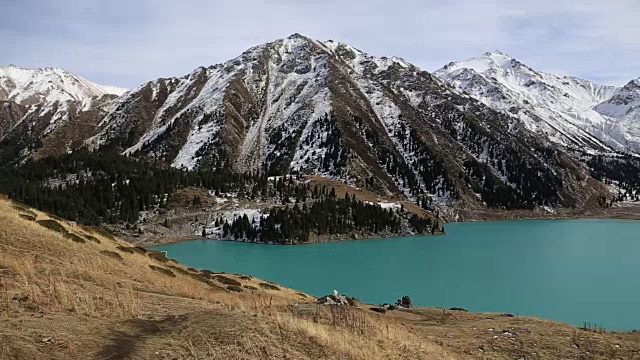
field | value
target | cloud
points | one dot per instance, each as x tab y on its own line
129	42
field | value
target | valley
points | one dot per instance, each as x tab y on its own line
70	291
487	138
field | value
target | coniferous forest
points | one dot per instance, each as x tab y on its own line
97	188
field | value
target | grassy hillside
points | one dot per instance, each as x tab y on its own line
72	292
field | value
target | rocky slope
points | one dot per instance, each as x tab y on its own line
575	113
624	106
326	108
36	104
298	105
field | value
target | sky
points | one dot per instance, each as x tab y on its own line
126	43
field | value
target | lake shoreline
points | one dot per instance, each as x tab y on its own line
533	268
629	212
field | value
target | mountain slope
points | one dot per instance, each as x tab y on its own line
81	293
326	108
624	107
48	85
562	108
47	108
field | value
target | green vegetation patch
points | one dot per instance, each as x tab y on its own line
112	254
28	217
157	255
24	209
235	288
75	238
53	225
226	280
378	310
162	270
250	287
100	231
127	249
141	249
268	286
91	238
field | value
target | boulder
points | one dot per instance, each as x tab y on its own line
404	302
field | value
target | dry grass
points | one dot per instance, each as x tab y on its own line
102	300
62	299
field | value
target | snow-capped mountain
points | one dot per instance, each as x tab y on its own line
624	108
37	102
48	85
563	108
326	108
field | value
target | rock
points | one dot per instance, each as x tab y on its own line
335	300
458	309
47	340
404	302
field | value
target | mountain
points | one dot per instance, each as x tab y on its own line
326	108
624	106
298	105
575	113
48	85
34	103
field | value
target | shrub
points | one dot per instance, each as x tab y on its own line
250	287
112	254
235	288
245	277
28	217
91	238
162	270
53	225
24	209
178	269
100	231
157	255
127	249
75	238
378	310
268	286
207	273
141	249
227	281
458	309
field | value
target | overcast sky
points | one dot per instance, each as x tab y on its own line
126	43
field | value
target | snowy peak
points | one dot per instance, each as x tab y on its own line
298	105
489	61
558	107
624	102
48	85
48	99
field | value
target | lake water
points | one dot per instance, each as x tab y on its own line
571	271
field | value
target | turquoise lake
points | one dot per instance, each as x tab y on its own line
567	270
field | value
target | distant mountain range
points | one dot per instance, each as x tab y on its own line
489	131
575	113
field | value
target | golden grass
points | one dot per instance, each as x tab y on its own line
43	272
62	299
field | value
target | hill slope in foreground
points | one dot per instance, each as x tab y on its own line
74	292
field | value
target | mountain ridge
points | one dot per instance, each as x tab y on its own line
298	105
564	108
